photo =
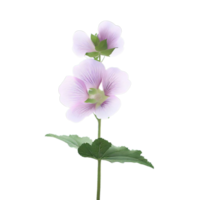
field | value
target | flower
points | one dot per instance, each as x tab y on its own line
83	95
108	31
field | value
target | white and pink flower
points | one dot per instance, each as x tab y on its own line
82	93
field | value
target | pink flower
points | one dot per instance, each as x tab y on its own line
82	44
82	95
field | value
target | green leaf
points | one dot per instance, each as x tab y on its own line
123	154
72	140
96	150
92	54
95	39
103	150
90	101
102	45
107	52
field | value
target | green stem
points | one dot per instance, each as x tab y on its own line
99	163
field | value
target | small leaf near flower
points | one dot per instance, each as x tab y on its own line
102	45
94	38
92	54
107	52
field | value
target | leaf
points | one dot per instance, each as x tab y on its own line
95	39
92	54
102	45
72	140
96	150
107	52
123	154
103	150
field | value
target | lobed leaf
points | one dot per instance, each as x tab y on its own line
101	149
105	150
96	150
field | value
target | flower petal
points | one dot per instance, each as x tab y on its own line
120	46
115	82
111	32
90	72
108	107
82	43
72	90
79	111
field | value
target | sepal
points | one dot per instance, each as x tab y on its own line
107	52
92	54
102	45
90	101
95	39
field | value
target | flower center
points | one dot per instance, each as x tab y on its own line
96	96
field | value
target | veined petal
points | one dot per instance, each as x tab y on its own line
72	90
90	72
108	107
79	111
111	32
82	43
115	82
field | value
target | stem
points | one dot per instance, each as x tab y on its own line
99	163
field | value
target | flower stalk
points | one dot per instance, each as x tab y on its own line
99	163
